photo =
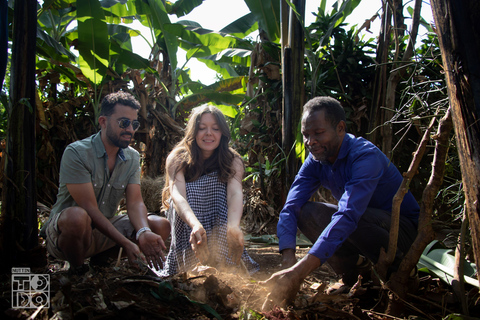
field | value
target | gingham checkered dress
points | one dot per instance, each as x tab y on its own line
207	197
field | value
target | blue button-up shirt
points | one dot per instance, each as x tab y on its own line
362	176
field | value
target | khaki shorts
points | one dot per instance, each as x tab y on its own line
100	242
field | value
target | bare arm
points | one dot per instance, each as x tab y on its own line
178	191
235	210
151	244
136	210
235	195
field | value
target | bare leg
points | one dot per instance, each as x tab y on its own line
75	234
159	225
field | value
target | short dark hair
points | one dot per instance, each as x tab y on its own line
110	101
334	112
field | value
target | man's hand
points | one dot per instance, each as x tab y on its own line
198	240
152	246
235	243
133	252
288	258
283	286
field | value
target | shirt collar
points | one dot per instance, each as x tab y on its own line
121	154
98	145
346	142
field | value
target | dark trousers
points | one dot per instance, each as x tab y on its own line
372	233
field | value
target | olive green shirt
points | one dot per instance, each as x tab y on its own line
86	161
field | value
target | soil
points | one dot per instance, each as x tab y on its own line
116	290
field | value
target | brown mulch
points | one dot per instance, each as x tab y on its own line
124	292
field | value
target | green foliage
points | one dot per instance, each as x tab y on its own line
182	7
3	115
343	66
267	169
267	13
337	64
249	314
440	261
93	44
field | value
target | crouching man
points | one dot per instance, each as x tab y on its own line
95	174
352	233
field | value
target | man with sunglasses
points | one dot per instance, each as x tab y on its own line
95	174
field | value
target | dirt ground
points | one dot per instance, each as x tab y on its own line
115	290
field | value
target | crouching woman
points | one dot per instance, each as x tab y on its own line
204	198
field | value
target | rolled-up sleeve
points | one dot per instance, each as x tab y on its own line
73	169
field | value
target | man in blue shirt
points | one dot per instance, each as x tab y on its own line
362	179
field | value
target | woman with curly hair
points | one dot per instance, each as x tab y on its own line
204	198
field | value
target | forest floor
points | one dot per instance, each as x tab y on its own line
117	290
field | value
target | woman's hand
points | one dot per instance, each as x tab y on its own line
235	242
198	240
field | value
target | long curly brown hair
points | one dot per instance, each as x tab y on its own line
187	155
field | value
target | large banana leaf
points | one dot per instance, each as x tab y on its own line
218	98
182	7
51	48
58	4
242	27
93	44
218	52
56	21
228	85
117	12
267	13
159	18
111	3
232	56
67	72
124	58
122	35
224	69
199	42
441	261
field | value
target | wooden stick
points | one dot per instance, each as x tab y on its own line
119	257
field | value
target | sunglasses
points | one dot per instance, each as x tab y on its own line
125	123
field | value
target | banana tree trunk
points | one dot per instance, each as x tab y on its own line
19	216
293	48
458	31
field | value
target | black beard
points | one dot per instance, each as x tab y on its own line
119	143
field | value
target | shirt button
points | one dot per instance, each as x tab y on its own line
123	186
103	202
108	185
94	184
